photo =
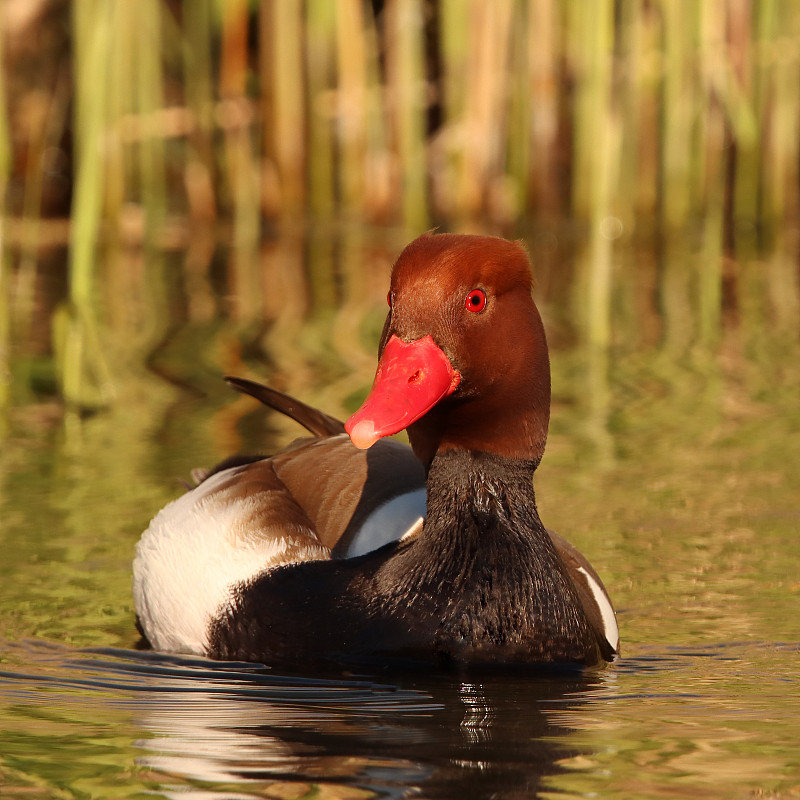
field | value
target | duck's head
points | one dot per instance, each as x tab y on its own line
463	360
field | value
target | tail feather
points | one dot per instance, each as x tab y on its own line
312	419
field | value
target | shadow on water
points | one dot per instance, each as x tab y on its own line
239	727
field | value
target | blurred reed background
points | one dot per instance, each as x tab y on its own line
287	149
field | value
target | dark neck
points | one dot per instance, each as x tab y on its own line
482	490
481	515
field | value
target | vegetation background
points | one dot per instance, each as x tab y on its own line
645	149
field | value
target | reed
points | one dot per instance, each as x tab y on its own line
5	335
320	57
241	165
92	25
5	332
5	299
539	113
776	59
679	104
148	98
352	70
614	119
284	101
482	114
406	103
199	157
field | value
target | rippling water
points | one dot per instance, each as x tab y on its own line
689	722
672	463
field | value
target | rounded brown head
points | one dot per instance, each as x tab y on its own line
463	357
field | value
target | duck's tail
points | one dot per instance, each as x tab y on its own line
312	419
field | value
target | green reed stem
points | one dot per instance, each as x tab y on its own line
320	56
285	57
149	99
519	145
5	320
597	156
778	55
82	356
92	30
200	167
5	288
680	26
5	330
454	32
5	135
406	79
352	62
198	28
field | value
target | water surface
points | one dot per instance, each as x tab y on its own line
672	463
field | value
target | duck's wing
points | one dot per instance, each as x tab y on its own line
592	593
356	500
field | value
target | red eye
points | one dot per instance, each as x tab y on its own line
476	300
389	298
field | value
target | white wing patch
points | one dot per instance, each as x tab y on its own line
194	552
395	519
610	628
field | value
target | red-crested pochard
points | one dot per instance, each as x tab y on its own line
272	559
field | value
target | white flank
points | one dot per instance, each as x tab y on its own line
195	551
610	629
394	520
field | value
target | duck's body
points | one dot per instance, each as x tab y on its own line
434	597
272	560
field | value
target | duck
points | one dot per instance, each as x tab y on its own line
350	548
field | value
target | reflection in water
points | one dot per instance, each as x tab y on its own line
478	714
437	733
222	727
678	723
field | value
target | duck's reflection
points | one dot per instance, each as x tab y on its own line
479	715
499	736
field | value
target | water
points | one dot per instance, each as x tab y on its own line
721	721
672	462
